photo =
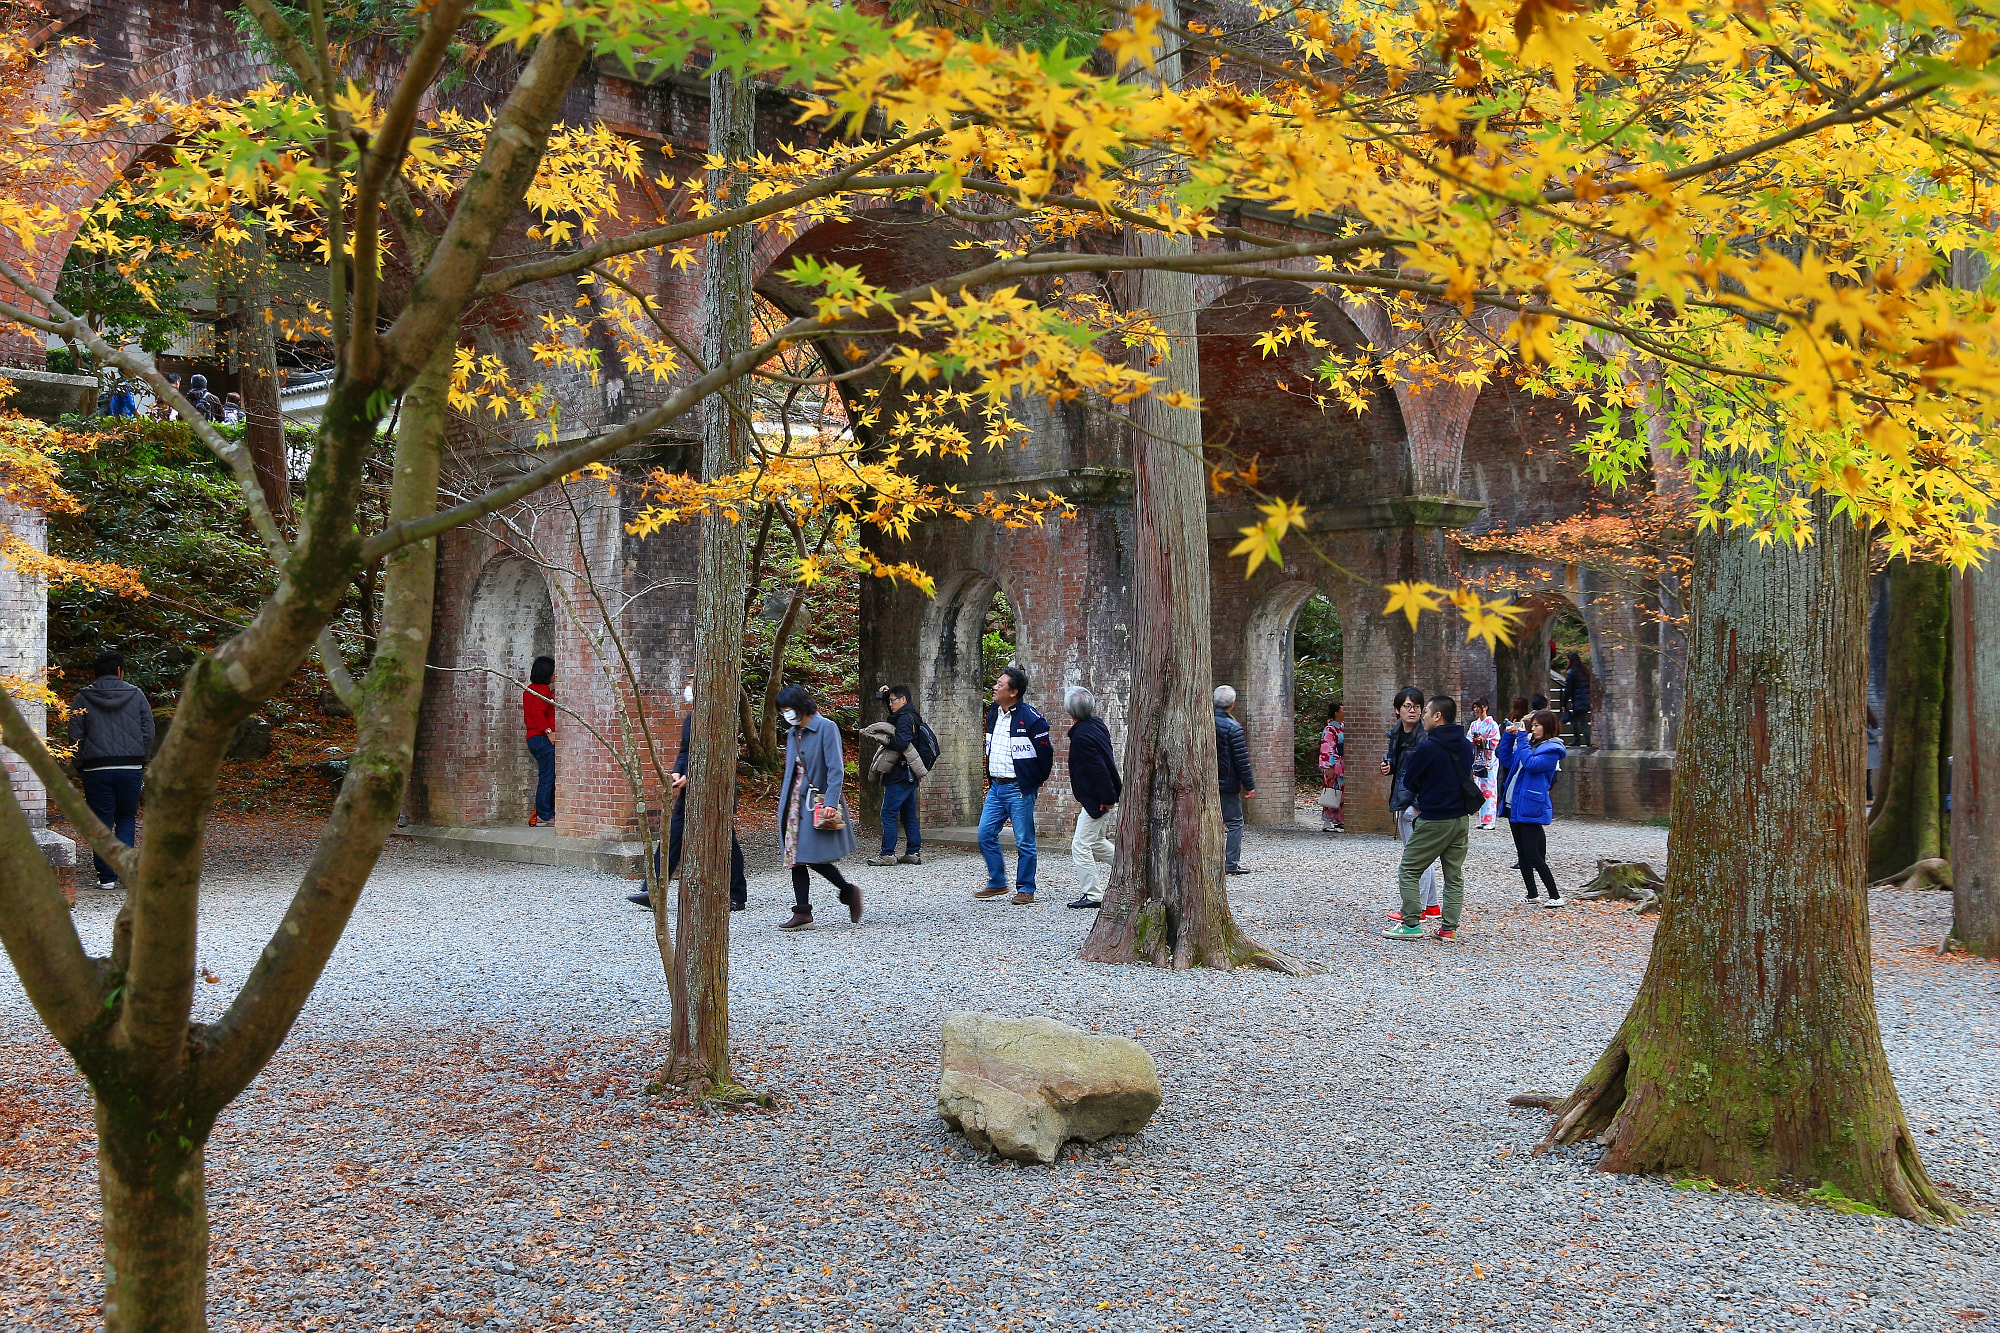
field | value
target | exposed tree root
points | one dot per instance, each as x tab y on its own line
1633	880
1933	872
1541	1101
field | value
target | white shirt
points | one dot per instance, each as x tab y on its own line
1000	745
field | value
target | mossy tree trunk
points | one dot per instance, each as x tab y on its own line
1908	821
1165	902
1752	1053
700	1055
1975	746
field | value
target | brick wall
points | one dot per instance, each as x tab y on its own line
24	633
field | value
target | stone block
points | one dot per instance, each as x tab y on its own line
46	395
1022	1087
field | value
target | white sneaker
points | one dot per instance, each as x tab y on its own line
1557	900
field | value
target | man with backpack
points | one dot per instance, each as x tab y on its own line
899	784
112	725
1438	775
203	401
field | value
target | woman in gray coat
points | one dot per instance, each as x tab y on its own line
815	773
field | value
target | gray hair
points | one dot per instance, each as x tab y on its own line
1080	702
1225	696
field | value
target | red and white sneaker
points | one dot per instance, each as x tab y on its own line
1437	912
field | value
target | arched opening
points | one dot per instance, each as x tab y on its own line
510	622
969	634
1268	696
1319	679
1532	664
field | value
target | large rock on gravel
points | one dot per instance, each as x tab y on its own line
1021	1087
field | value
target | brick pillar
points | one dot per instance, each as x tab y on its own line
24	629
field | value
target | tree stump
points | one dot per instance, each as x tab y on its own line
1633	880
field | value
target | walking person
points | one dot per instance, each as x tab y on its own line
538	711
1093	780
1438	774
1233	776
899	784
201	399
112	726
813	822
1333	768
1576	700
1484	733
1019	757
1404	738
1536	750
739	883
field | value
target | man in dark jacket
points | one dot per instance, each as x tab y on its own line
899	784
739	883
1232	771
1018	759
1404	737
112	725
1093	779
1576	699
1437	775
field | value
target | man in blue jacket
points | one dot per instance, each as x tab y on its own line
1018	759
1438	774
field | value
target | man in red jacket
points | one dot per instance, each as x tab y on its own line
538	710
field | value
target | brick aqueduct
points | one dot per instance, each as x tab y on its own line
1385	490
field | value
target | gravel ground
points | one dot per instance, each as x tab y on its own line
457	1133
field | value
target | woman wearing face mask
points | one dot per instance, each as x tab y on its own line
814	774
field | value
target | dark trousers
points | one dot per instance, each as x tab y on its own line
739	885
544	751
113	795
801	890
1531	847
899	802
1579	722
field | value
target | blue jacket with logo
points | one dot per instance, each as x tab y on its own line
1033	753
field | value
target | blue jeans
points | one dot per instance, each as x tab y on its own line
113	795
899	801
1006	803
544	751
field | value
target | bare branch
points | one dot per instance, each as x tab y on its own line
229	451
39	933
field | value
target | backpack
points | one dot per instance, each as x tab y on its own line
1468	788
925	742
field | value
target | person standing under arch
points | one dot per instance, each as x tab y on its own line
1576	700
1484	733
538	711
1094	781
814	826
1333	769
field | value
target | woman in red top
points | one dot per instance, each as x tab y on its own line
538	709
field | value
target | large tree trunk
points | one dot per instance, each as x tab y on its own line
1975	748
151	1184
1908	824
700	1058
1165	903
1752	1052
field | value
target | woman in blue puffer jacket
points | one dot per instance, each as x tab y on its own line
1531	750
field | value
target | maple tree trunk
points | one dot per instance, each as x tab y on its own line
700	1054
1975	747
1908	823
1165	902
150	1176
1752	1053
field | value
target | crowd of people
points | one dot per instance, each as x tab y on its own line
1445	779
126	399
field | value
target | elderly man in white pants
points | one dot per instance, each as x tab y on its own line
1093	779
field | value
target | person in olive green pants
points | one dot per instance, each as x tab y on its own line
1438	773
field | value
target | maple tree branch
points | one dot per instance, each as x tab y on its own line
39	932
381	159
558	266
487	202
238	459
